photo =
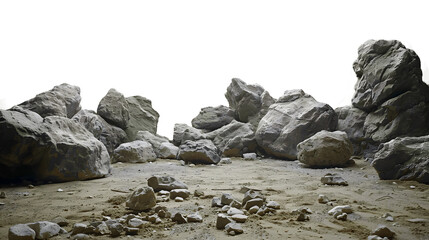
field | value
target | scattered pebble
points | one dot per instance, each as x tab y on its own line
417	220
2	195
234	227
322	199
383	231
412	187
333	179
60	190
178	199
342	217
196	217
30	186
302	217
222	220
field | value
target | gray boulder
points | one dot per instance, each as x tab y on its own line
63	101
166	183
109	135
351	120
21	232
167	150
114	109
212	118
200	151
51	149
183	132
135	152
325	149
142	116
234	139
141	199
161	145
44	229
403	158
293	118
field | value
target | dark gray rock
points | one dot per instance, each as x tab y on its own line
63	101
200	151
183	132
142	116
141	199
109	135
114	109
295	117
166	183
212	118
136	152
403	158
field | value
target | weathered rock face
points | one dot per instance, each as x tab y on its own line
234	139
200	151
212	118
325	149
404	158
51	149
142	116
109	135
161	145
183	132
351	120
250	102
136	152
63	100
114	109
293	118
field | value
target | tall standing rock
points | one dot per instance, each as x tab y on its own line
293	118
63	100
114	109
142	116
212	118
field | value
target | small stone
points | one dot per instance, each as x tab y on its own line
182	163
235	204
21	231
273	205
417	220
216	202
234	211
249	156
240	218
252	194
80	236
165	182
254	202
222	220
2	195
412	187
201	208
102	229
179	218
198	193
225	161
45	229
116	229
322	199
141	199
183	193
333	179
178	199
137	223
30	186
78	228
225	208
342	217
342	209
62	222
153	218
196	217
163	193
374	237
302	217
131	231
253	209
383	231
226	199
389	219
60	190
191	165
235	227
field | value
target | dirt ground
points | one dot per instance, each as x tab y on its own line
286	182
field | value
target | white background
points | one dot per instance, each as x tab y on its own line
183	54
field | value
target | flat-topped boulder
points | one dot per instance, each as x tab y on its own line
135	152
212	118
200	151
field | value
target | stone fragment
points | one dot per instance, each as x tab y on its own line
216	202
240	218
131	231
166	182
234	227
183	193
226	199
81	236
179	218
78	228
21	232
341	209
200	151
251	194
302	217
249	156
195	217
383	231
233	211
141	199
253	209
222	220
45	229
254	202
323	199
333	179
212	118
143	117
273	205
135	152
114	109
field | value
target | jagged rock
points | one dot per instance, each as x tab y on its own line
252	194
200	151
167	150
21	232
183	132
403	158
167	183
63	101
161	145
254	202
226	199
232	211
141	199
109	135
234	139
44	229
116	229
383	231
216	202
222	220
183	193
136	152
142	116
51	149
101	228
325	149
250	102
136	223
234	227
333	179
114	109
225	161
295	117
179	218
195	217
212	118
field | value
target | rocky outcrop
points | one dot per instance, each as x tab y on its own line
200	151
114	109
63	101
50	149
109	135
250	102
161	145
404	158
135	152
325	149
293	118
142	116
183	132
212	118
234	139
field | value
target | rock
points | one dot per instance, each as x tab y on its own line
383	231
21	232
2	195
109	135
142	116
252	194
53	149
375	237
116	229
404	159
183	193
198	193
226	199
179	218
225	208
253	209
342	217
240	218
200	151
212	118
249	156
273	205
323	199
44	229
154	219
63	101
78	228
235	204
195	217
141	199
216	202
81	236
61	221
233	227
233	211
166	183
325	149
161	145
114	109
135	152
295	117
225	161
417	220
101	228
222	220
137	223
167	150
340	209
131	231
234	139
333	179
351	120
253	202
183	132
302	217
178	199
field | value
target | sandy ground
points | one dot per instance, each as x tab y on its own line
283	181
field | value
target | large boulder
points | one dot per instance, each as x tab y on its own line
351	120
114	109
142	116
234	139
200	151
404	158
161	145
135	152
51	149
63	100
250	102
212	118
325	149
183	132
293	118
109	135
